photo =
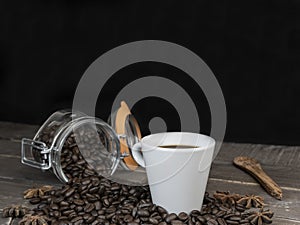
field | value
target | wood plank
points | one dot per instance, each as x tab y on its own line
12	169
283	176
12	193
5	221
10	147
17	131
271	155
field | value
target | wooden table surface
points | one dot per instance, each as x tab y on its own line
282	163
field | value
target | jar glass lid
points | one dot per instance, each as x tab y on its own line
129	133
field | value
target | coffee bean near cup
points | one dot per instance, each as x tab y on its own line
177	166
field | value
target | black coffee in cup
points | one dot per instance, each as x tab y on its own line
178	146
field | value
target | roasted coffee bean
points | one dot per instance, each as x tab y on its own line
232	222
171	217
128	218
79	222
106	202
97	205
201	219
142	212
110	209
214	211
221	221
94	190
62	218
78	202
153	220
235	218
144	219
64	203
133	223
134	211
183	216
54	206
69	192
223	208
109	216
144	205
35	201
212	222
161	210
176	222
89	207
58	199
76	219
90	219
220	213
68	212
228	215
240	207
244	221
195	213
64	208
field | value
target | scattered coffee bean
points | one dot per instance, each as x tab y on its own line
183	216
171	217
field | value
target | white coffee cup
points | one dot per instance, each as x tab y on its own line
177	176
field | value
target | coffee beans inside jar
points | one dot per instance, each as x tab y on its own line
84	152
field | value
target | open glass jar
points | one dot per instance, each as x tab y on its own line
73	144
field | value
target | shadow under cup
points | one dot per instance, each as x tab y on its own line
178	176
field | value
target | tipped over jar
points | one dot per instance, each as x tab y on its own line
73	144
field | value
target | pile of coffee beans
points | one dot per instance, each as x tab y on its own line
95	200
88	198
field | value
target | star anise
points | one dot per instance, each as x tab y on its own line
260	217
37	192
15	211
29	219
226	197
251	201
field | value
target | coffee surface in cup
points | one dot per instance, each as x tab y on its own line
178	146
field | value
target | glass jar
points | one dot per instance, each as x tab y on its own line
73	144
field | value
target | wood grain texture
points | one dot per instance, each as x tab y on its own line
271	155
17	131
283	176
280	162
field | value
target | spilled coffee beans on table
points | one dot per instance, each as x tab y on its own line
88	198
95	200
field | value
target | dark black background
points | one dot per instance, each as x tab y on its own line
253	48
